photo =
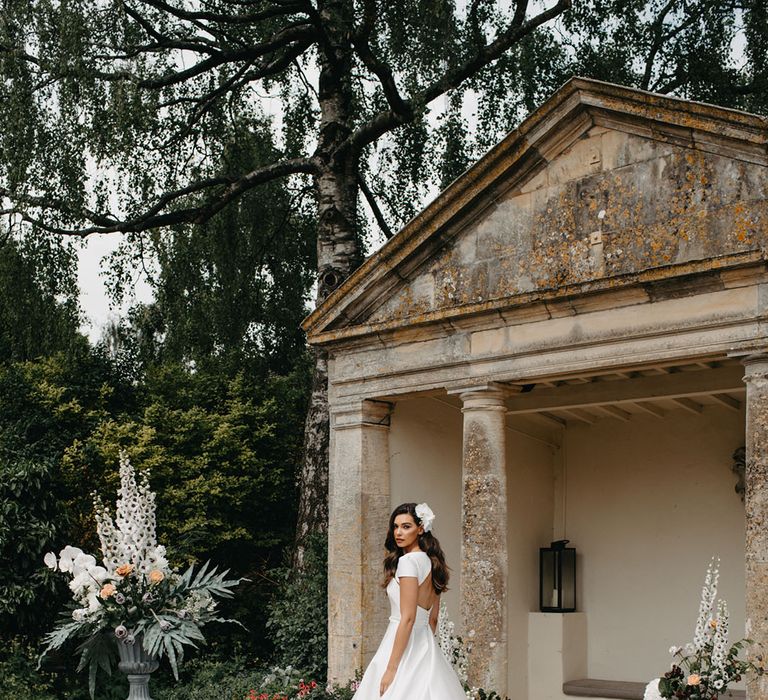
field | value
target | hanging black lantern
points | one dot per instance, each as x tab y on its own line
557	578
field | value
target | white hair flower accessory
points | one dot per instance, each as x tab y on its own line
425	515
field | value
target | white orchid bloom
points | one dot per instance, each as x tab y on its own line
83	562
82	583
93	602
51	561
67	558
98	574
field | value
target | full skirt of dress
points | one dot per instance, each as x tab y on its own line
423	673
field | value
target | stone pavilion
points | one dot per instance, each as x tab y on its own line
569	342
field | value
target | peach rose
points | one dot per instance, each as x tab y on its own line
124	570
155	576
694	679
108	591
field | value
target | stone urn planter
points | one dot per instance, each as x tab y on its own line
138	666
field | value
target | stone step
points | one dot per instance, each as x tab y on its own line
622	690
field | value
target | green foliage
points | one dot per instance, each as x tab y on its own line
213	680
169	634
489	695
222	454
23	680
45	406
20	678
33	322
229	292
237	677
29	517
172	145
298	614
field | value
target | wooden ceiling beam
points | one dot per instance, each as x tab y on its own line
723	380
727	401
615	412
651	408
689	404
580	414
550	419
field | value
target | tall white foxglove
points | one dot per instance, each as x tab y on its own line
706	613
131	537
720	640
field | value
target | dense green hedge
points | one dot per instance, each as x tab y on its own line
222	454
236	678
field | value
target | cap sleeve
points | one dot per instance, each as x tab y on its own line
416	564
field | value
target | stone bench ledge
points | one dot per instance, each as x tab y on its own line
623	690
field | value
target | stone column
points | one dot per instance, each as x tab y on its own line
358	513
756	505
484	529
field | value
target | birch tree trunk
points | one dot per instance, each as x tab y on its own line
338	249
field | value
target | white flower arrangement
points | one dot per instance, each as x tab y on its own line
136	595
704	668
451	645
457	652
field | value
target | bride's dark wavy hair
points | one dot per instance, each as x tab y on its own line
428	543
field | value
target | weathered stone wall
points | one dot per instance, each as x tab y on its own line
612	204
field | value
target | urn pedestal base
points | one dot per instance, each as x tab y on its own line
137	665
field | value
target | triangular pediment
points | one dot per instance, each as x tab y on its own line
598	185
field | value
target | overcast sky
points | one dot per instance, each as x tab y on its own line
93	291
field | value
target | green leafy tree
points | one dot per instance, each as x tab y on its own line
229	292
38	312
298	611
130	116
222	454
45	406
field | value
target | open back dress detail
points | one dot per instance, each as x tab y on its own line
424	673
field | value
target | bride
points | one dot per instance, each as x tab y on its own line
409	664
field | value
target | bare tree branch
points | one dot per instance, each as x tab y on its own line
658	31
288	8
164	42
373	204
303	34
386	78
368	24
486	54
155	217
296	37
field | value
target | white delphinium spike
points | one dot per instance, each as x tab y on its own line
130	538
720	640
708	593
111	541
445	632
134	516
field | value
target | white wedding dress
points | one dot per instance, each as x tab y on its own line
423	673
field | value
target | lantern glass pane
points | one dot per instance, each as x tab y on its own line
568	583
549	579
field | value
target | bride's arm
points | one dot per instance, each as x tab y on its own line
409	594
433	614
